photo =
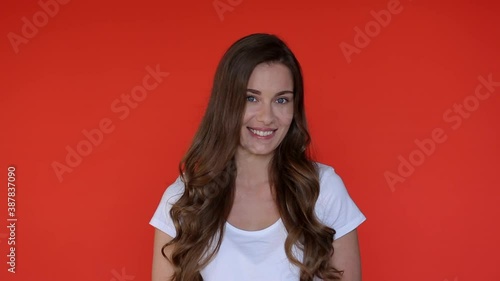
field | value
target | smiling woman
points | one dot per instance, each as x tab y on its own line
269	109
249	202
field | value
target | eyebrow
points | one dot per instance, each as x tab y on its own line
253	91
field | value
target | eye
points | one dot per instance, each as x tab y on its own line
251	98
282	100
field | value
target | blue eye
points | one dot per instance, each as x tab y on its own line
251	98
282	100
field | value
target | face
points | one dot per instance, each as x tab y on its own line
268	111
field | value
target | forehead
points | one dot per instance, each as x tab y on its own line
271	77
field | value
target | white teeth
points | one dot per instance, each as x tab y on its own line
261	133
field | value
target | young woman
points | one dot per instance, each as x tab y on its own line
249	202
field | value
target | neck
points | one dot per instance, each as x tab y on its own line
252	168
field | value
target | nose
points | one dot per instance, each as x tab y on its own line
265	114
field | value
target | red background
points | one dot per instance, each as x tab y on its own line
439	224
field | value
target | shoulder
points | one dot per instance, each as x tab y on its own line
331	185
327	175
174	191
323	169
161	218
334	207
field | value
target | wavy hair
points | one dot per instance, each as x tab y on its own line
208	170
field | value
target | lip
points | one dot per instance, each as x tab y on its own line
264	130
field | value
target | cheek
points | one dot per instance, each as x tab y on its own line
285	115
250	112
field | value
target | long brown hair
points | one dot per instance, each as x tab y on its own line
208	170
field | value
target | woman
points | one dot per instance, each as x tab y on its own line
249	203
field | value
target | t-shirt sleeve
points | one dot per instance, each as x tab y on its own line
335	207
161	218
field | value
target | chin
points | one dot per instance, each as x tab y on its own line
263	153
266	151
256	152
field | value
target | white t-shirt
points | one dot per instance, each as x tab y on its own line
260	255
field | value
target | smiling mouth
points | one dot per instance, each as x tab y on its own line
262	133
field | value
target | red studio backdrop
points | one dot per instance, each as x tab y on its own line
99	100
